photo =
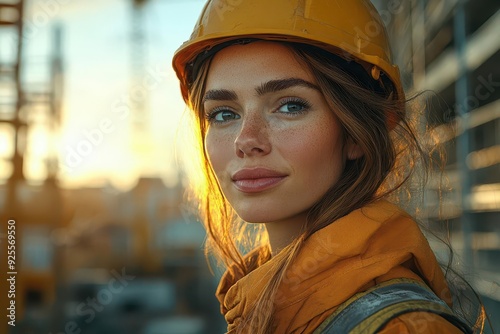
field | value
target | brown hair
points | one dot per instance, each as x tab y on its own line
386	169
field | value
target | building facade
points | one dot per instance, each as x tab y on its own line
449	51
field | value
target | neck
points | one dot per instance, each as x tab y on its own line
282	233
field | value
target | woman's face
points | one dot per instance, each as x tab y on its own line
272	141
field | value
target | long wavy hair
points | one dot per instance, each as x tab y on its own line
394	164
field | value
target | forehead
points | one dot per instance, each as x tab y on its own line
254	63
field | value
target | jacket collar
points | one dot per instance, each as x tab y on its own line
371	245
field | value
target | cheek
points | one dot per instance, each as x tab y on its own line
315	146
218	150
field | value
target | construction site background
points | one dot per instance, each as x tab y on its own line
92	201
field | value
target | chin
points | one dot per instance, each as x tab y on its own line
251	219
254	217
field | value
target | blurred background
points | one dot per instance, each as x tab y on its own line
93	163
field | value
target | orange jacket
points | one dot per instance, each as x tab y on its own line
371	245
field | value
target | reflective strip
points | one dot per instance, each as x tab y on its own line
368	312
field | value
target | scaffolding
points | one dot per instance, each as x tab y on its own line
10	106
451	49
26	106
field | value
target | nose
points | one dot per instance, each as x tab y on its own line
253	137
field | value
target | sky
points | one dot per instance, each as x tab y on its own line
97	143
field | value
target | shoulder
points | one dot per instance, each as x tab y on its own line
396	306
419	322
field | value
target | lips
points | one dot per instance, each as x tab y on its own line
257	179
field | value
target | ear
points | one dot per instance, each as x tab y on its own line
353	150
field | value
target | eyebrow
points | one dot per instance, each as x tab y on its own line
271	86
220	95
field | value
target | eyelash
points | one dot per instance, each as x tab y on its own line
303	103
210	116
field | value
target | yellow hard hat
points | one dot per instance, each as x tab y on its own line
352	29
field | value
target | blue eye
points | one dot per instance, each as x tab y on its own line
222	116
293	106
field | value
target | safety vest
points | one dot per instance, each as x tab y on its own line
369	311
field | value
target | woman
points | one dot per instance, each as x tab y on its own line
303	139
